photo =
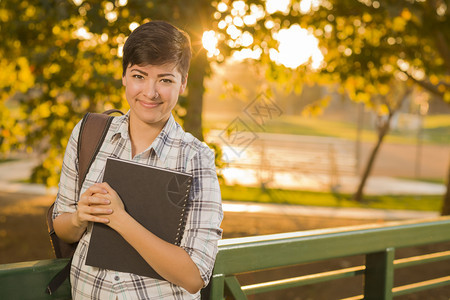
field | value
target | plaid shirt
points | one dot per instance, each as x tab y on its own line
172	149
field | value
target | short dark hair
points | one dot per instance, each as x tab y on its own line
158	43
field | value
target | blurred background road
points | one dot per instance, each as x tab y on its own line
298	162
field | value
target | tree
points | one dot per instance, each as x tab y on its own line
393	101
377	51
382	40
62	58
49	83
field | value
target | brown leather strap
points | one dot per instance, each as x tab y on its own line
111	111
92	133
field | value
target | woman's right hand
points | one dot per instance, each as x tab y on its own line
90	207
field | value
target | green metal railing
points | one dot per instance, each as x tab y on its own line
241	255
376	242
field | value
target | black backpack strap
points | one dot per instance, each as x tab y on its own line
59	278
93	130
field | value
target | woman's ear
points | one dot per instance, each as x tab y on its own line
183	85
124	76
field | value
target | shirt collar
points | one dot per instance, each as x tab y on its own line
122	127
159	145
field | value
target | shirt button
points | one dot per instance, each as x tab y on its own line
116	278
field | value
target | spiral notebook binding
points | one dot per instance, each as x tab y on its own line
182	223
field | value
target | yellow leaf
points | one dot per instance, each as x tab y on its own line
406	14
24	76
53	93
383	110
54	68
360	82
60	109
56	29
17	131
383	89
349	30
362	97
6	133
447	97
52	181
399	24
298	88
30	11
434	79
367	17
369	88
43	110
4	15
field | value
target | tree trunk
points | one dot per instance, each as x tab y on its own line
446	204
383	130
197	73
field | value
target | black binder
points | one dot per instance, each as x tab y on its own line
157	198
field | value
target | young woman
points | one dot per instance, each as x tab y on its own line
156	60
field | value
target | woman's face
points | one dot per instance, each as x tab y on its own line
152	92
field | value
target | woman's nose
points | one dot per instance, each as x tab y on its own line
150	91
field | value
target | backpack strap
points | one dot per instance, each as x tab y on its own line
93	130
59	278
92	134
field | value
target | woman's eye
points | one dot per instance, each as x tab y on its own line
165	80
138	76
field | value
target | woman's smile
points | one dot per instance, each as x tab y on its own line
149	104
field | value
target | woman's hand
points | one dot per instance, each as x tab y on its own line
115	206
99	203
92	207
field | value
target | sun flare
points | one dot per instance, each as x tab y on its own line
296	45
209	41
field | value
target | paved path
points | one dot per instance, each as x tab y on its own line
399	160
11	173
329	212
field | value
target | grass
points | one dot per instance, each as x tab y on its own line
429	180
5	160
408	202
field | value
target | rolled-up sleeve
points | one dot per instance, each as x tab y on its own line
67	196
203	231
